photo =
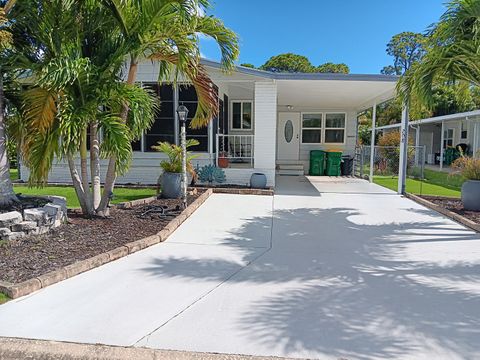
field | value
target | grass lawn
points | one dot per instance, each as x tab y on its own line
14	174
444	179
120	194
3	298
418	187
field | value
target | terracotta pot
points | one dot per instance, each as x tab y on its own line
223	162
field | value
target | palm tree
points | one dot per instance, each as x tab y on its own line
7	194
453	53
167	31
76	62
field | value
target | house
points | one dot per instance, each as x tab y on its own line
268	122
436	134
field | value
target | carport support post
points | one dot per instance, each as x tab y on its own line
402	169
372	141
442	140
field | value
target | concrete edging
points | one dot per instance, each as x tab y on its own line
240	191
20	349
27	287
450	214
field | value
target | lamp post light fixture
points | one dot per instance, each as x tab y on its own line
182	113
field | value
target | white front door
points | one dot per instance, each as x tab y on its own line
288	136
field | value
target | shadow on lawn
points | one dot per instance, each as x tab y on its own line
347	289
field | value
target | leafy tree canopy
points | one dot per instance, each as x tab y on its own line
248	65
295	63
406	49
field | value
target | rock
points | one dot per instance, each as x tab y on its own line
4	231
39	215
14	235
54	211
10	218
59	200
27	226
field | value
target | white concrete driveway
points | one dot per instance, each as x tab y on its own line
340	269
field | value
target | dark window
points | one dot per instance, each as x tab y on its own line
188	97
163	129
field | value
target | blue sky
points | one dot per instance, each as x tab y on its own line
351	31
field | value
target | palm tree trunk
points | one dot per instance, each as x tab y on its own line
111	175
95	164
7	195
77	185
84	173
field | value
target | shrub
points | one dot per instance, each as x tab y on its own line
468	167
174	153
390	151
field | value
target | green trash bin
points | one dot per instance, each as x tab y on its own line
334	161
317	162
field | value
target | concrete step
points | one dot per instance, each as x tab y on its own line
290	167
291	172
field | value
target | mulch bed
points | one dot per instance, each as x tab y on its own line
82	238
454	205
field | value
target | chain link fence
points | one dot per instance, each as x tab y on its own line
386	162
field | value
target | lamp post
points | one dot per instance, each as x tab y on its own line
182	113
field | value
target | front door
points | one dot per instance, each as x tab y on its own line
288	136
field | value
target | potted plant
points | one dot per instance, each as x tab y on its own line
223	159
171	178
469	168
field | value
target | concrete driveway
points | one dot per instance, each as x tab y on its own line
328	269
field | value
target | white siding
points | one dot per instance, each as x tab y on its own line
265	125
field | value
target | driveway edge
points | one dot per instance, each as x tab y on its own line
450	214
20	349
27	287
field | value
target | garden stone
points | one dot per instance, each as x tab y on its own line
59	200
27	226
10	218
54	211
39	215
4	231
14	235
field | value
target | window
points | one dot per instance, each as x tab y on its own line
448	138
188	97
335	128
312	128
163	128
464	131
242	115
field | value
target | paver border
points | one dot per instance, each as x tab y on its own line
20	349
27	287
450	214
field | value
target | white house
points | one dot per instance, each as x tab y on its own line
268	122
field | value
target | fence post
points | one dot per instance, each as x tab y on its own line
402	170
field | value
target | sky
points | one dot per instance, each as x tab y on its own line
354	32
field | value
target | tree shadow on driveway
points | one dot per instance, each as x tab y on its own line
350	289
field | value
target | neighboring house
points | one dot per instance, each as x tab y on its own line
449	130
268	122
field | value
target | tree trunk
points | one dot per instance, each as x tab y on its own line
84	173
95	164
7	195
111	175
77	185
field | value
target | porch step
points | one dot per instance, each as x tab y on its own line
292	169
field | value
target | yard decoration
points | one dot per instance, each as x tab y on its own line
171	178
469	168
211	174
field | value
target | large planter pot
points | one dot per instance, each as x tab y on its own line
223	162
471	195
171	185
258	181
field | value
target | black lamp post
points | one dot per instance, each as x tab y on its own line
182	113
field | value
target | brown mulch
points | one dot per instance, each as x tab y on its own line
82	238
456	206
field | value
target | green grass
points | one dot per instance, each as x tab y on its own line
3	298
120	194
14	174
417	187
444	179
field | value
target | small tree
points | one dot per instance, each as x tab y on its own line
289	62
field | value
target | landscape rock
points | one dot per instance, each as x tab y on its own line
4	231
59	200
38	215
10	218
14	235
27	226
54	211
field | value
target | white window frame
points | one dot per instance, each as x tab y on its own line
344	128
323	127
445	139
230	121
312	128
